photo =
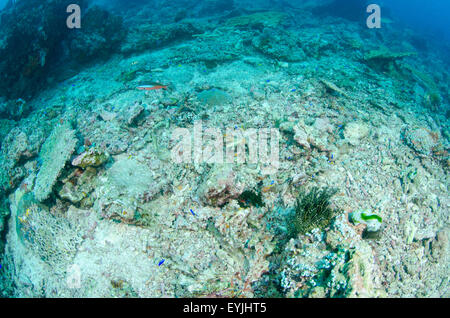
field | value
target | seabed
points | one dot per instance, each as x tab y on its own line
94	203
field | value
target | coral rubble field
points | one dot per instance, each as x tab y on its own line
93	204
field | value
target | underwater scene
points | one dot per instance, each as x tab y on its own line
224	149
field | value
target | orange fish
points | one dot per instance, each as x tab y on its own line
151	88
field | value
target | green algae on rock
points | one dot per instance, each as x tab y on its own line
370	219
313	210
93	157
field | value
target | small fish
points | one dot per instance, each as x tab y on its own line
192	212
160	263
151	88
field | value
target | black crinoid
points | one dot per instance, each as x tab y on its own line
312	210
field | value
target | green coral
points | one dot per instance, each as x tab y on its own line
54	154
332	87
312	210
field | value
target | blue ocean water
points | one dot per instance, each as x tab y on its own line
422	15
429	17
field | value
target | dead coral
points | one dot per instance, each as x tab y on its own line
54	154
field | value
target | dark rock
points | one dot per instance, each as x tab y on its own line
100	35
30	36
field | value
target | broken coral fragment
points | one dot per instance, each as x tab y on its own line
91	158
220	187
78	185
54	154
133	114
333	87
